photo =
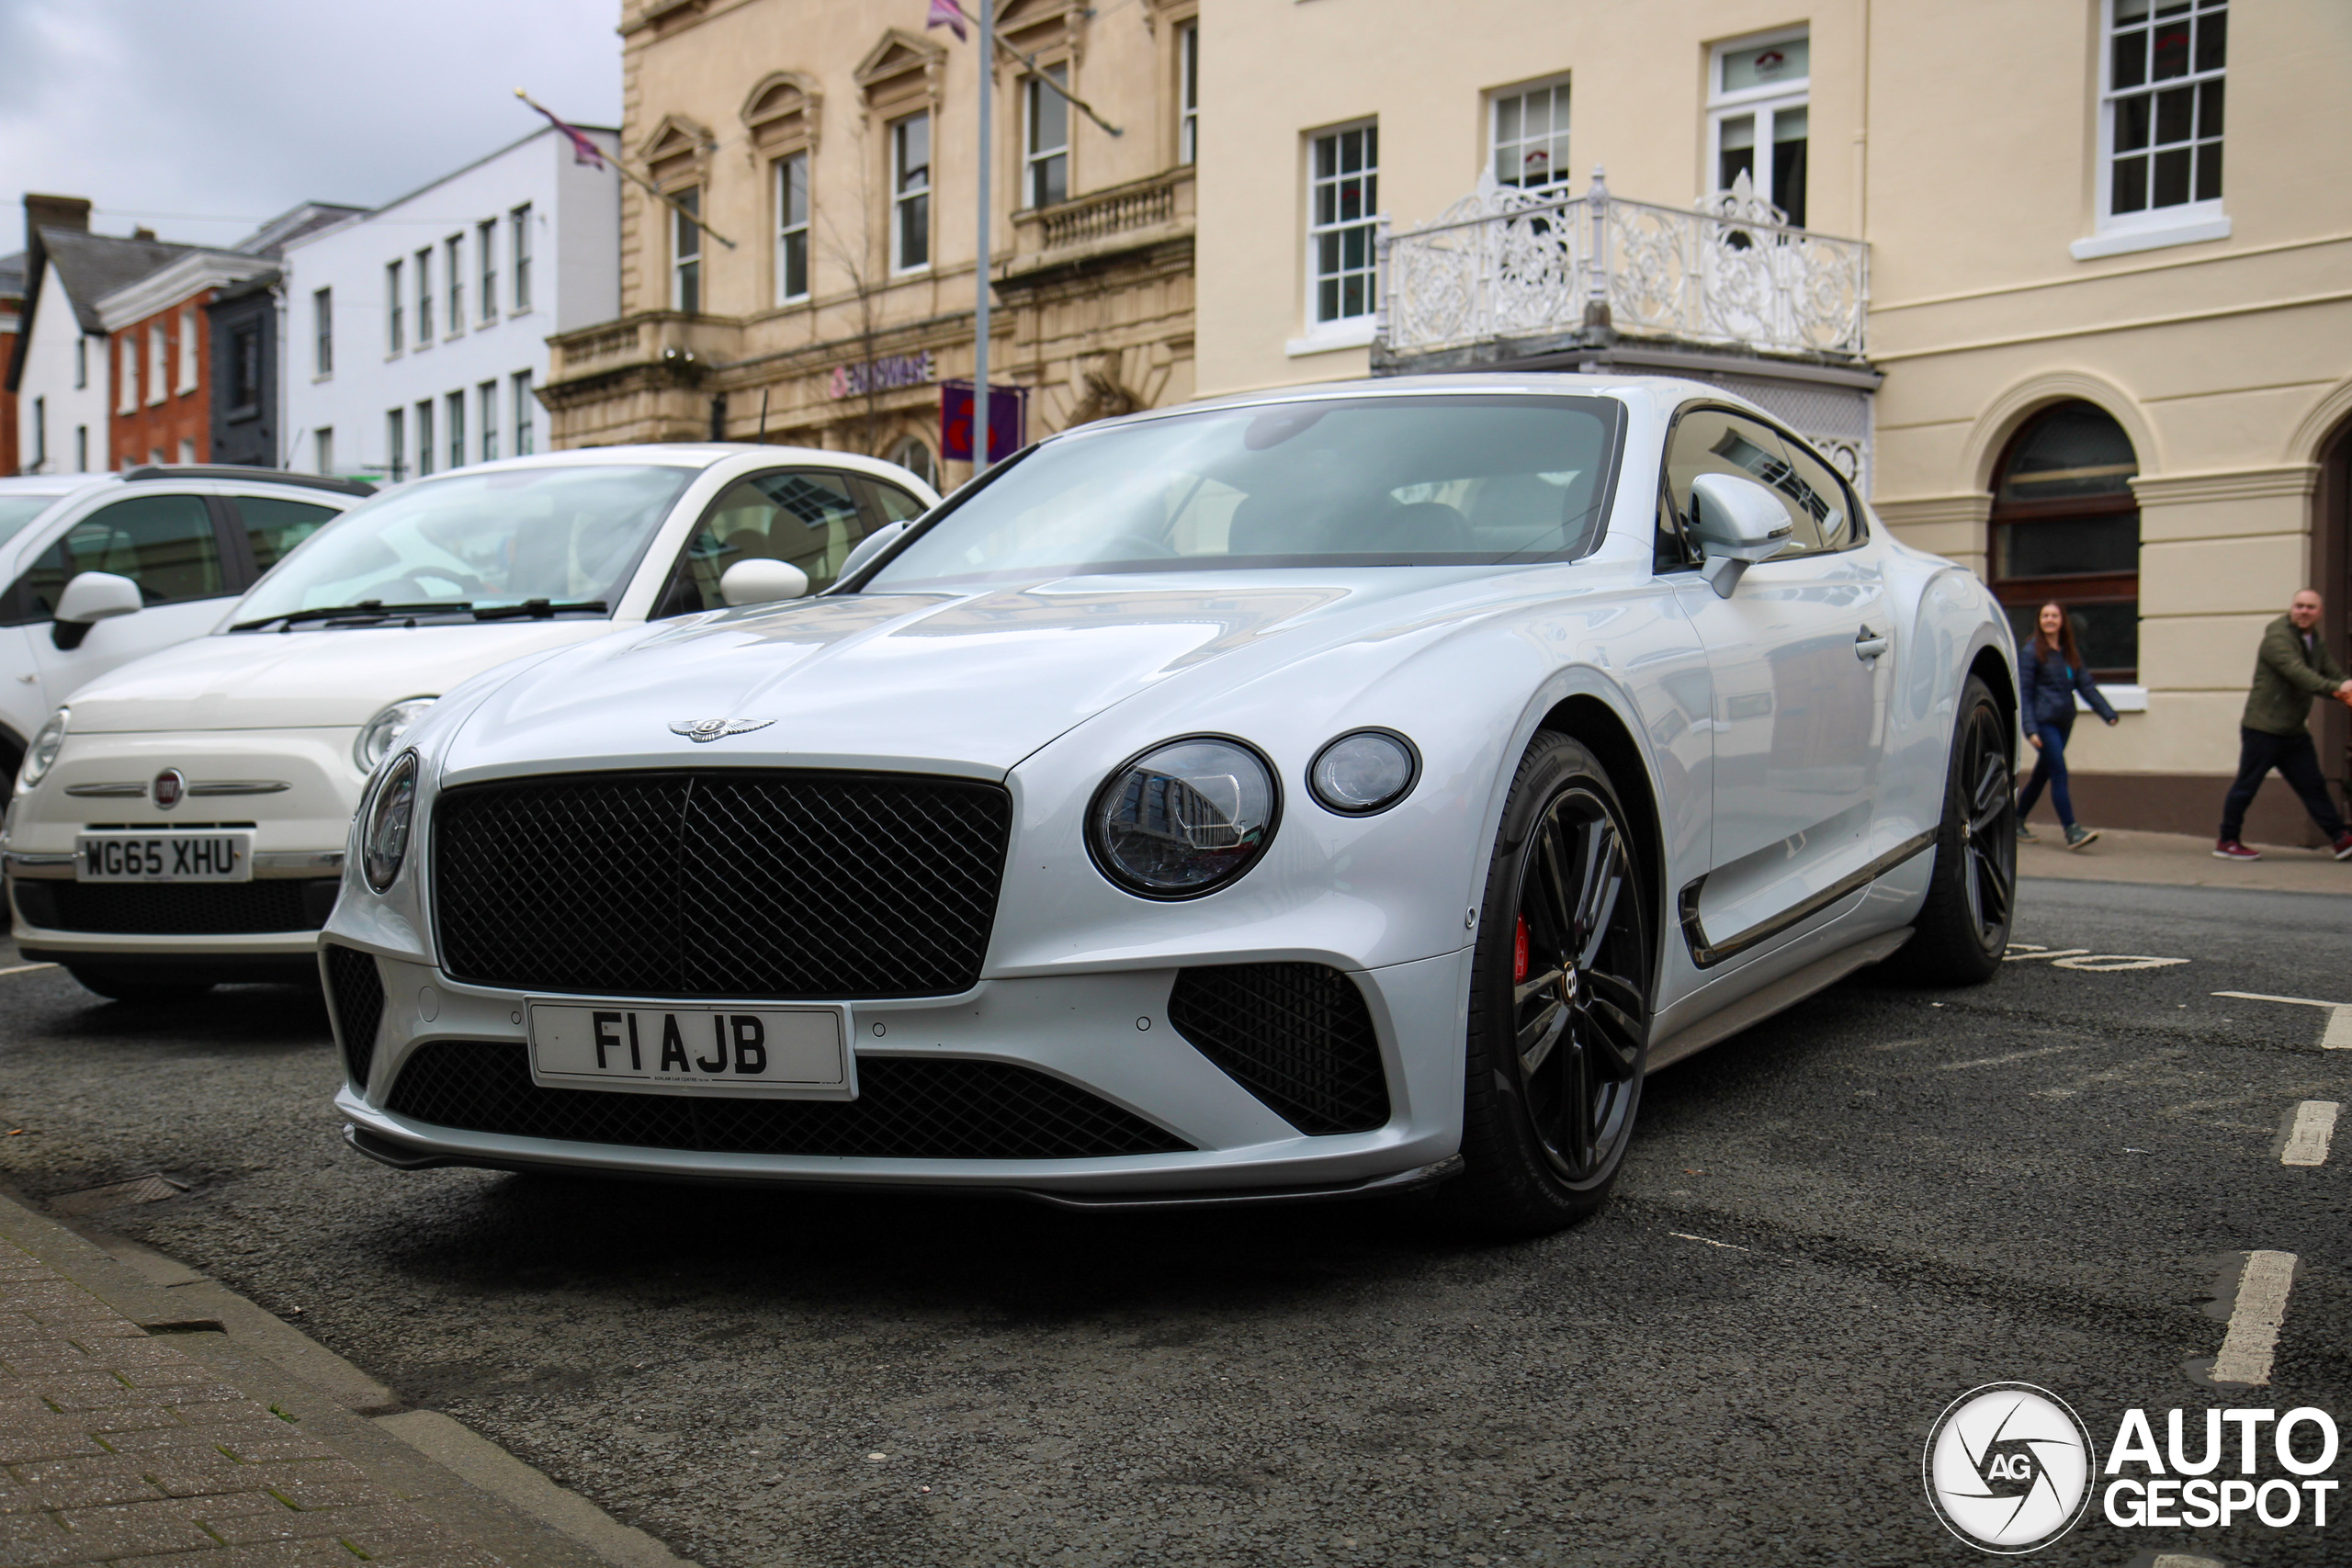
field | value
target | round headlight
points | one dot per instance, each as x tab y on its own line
384	731
1184	819
44	749
1369	771
383	830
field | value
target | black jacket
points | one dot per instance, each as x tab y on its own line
2050	687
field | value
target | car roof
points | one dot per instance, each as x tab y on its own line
47	484
682	455
1662	391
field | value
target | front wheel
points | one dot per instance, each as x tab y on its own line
1559	1000
1964	926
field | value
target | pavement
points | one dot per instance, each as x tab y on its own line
2176	860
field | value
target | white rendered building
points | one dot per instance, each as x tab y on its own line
416	335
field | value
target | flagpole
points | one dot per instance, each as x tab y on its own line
983	401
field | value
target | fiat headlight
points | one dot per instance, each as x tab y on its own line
1369	771
384	824
384	731
1184	819
42	753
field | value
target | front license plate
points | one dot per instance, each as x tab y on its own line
779	1052
163	857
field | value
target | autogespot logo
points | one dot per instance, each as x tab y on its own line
2008	1468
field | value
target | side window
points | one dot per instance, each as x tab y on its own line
164	543
810	520
1821	491
1717	441
898	506
275	525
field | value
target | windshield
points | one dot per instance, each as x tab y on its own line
1402	481
476	542
19	509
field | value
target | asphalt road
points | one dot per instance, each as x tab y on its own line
1828	1228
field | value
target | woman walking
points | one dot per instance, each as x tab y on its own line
2051	669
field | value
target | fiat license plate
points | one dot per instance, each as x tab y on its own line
778	1052
163	857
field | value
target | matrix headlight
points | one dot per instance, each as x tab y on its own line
1184	819
44	749
383	830
384	731
1369	771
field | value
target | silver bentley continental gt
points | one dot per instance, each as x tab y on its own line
1314	794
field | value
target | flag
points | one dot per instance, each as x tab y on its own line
948	13
583	150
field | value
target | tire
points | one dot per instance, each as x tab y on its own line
1558	1038
136	987
1964	926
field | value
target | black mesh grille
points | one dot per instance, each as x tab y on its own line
908	1108
721	883
1297	1035
183	909
356	992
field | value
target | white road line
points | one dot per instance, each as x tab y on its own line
2012	1057
2339	1019
2307	1140
27	968
2016	953
1684	1236
2254	1317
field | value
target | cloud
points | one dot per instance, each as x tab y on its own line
199	119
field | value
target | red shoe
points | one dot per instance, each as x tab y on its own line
2344	846
2230	848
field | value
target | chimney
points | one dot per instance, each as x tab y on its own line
142	233
54	212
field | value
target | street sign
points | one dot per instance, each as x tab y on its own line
1008	421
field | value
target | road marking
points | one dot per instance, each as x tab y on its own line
2307	1140
2012	1057
27	968
2254	1317
2115	962
2022	949
1681	1236
2339	1019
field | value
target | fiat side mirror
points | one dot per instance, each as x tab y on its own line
92	596
760	580
1738	523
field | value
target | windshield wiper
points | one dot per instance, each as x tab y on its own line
541	609
374	608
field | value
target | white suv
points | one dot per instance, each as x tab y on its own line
82	552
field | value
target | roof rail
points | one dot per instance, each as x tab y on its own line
237	471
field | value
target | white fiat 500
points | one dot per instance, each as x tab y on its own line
181	821
1300	795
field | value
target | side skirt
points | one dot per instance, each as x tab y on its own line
1782	994
1707	954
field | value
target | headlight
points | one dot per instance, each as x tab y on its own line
383	832
1184	819
1369	771
384	731
44	749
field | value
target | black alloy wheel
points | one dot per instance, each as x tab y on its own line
1560	1013
1989	839
1963	924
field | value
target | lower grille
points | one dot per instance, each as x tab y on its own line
355	994
908	1108
1297	1035
178	909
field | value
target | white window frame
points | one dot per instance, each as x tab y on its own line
1035	156
187	351
187	452
455	247
486	266
1557	86
791	175
159	363
453	410
126	396
1349	330
486	400
2189	222
321	334
396	444
1767	102
1187	93
525	425
686	266
394	339
903	197
518	223
323	450
423	437
80	363
81	448
424	327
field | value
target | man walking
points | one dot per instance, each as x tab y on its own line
2292	668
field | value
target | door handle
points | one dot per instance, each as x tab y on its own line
1869	644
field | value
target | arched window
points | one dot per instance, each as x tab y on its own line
915	457
2066	526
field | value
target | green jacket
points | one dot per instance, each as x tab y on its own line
2286	680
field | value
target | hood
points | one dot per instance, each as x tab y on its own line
957	682
304	679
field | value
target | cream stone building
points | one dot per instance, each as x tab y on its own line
1991	256
831	147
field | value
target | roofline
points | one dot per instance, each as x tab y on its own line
387	207
173	281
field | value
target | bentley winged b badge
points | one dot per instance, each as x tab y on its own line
704	730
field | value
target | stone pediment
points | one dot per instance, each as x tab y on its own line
1031	25
676	146
787	106
899	62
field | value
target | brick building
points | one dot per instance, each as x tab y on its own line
159	345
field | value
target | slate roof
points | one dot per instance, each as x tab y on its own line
94	266
12	274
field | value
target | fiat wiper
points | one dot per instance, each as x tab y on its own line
368	608
541	609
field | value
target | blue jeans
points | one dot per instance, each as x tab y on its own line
2049	768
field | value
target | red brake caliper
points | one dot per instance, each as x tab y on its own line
1519	954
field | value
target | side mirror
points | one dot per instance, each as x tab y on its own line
873	545
92	596
1738	523
760	580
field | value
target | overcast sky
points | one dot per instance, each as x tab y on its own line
199	118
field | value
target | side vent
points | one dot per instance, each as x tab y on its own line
356	996
1297	1035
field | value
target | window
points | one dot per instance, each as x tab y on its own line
392	314
1045	149
1531	132
81	448
323	450
525	407
275	526
1706	440
518	224
792	228
188	450
126	355
323	332
1188	95
396	445
164	543
810	520
911	193
486	411
423	302
187	352
40	432
245	366
159	364
456	250
685	250
1757	119
2164	108
455	403
1344	193
914	456
486	264
424	437
2066	526
80	363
